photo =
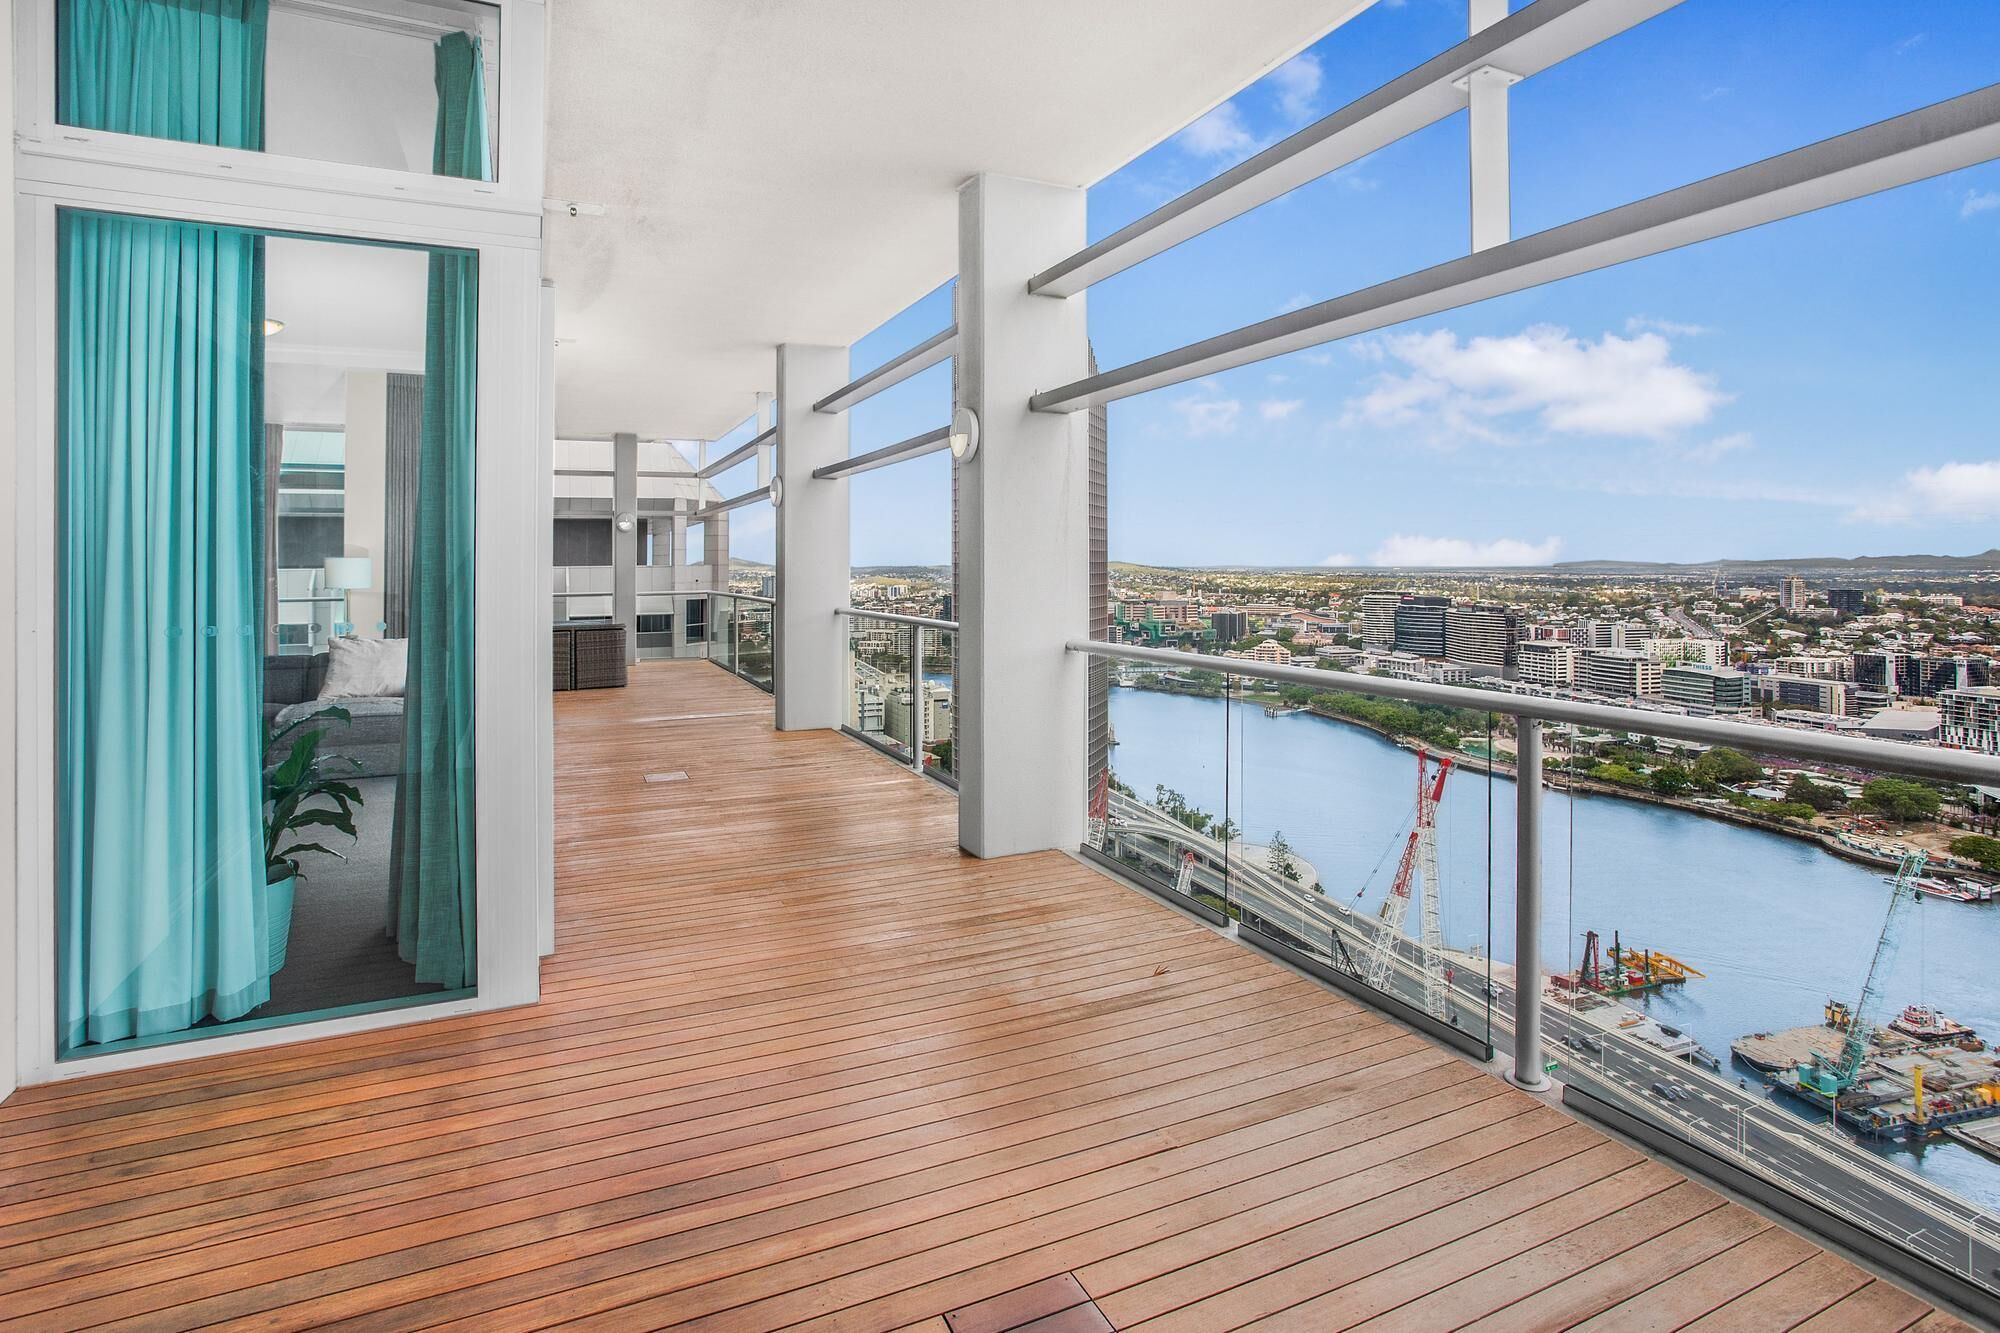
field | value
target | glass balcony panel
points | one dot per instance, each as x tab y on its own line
722	630
940	673
1716	923
1159	808
754	662
881	707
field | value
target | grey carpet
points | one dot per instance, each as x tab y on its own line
340	953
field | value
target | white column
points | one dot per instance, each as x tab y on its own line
1486	91
544	543
13	874
1023	525
366	506
625	545
811	655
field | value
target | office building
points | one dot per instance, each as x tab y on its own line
1812	694
1420	625
1791	593
1547	662
1970	718
1229	626
1378	619
1619	671
1705	689
1481	638
1693	652
1847	601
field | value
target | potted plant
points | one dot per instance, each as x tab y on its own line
299	794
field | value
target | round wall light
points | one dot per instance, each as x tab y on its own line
625	522
777	492
964	434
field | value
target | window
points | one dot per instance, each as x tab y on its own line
410	85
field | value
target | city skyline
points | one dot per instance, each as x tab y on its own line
1819	387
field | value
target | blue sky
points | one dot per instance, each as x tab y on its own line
1829	385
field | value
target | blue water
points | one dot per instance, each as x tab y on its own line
1777	924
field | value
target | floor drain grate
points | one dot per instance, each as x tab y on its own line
678	775
1056	1304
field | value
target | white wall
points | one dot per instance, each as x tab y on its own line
380	81
365	510
10	879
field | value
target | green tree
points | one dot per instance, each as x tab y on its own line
1724	767
1802	790
1900	799
1279	860
1670	780
1979	849
1619	774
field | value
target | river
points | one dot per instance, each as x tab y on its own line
1777	924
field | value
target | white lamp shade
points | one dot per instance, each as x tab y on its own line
348	571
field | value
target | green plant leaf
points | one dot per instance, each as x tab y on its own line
291	853
336	819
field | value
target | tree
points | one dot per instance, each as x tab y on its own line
1619	774
1724	767
1670	780
1900	799
1279	861
1802	790
1979	849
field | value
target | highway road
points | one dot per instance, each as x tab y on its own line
1719	1113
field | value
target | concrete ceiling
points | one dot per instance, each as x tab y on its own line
777	170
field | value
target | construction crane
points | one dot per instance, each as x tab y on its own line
1184	881
1417	873
1097	815
1829	1076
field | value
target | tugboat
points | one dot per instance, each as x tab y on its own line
1929	1027
1952	890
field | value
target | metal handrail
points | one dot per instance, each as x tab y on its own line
1886	756
733	502
923	621
917	446
739	596
940	346
1523	44
739	454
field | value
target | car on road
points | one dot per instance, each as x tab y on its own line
1669	1092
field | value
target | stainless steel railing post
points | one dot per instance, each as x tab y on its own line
917	698
1528	1072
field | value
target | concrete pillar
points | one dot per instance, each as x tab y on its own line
625	545
1023	525
1486	94
715	551
813	571
366	472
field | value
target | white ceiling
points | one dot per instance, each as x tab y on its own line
777	170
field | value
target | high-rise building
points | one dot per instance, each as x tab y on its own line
1813	694
1847	601
1546	662
1378	619
1229	626
1695	652
1970	718
1921	676
1791	593
1706	688
1619	671
1602	634
1420	625
1482	638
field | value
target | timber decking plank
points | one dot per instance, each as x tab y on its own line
800	1062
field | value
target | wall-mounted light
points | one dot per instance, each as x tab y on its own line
964	434
777	492
625	521
272	326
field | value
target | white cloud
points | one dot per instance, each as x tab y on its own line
1299	301
1296	83
1317	358
1459	553
1673	328
1457	390
1277	409
1220	133
1208	416
1979	201
1340	560
1962	491
1710	451
1909	44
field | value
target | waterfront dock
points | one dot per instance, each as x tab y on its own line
1982	1137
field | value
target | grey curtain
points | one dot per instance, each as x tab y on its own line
406	433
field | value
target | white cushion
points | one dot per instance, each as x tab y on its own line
365	668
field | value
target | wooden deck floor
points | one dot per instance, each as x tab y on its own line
800	1063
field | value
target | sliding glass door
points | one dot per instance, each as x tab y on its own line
265	617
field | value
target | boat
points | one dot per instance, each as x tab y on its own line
1952	890
1930	1026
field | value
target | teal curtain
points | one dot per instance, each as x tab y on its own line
169	69
160	877
432	859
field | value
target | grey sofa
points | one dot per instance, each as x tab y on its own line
373	739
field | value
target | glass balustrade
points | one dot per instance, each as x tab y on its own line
881	707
